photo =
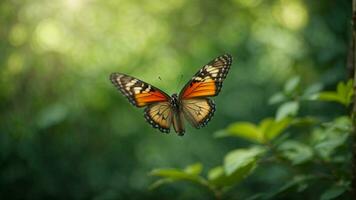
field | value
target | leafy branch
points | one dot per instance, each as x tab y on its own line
271	144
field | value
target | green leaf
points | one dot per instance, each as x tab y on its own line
194	169
218	177
295	151
171	173
304	121
244	130
272	128
288	109
265	131
292	85
238	164
277	98
334	192
329	96
311	92
52	115
160	182
175	174
343	94
237	159
334	135
190	173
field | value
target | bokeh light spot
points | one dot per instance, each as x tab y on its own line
291	14
248	3
74	4
18	35
48	35
15	63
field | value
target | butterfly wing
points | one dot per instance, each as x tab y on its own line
207	82
159	115
198	111
138	92
158	112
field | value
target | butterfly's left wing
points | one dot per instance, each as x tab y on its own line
138	92
207	82
160	116
158	112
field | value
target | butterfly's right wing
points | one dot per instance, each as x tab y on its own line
207	82
198	111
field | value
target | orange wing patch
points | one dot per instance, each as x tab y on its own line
208	80
137	92
199	89
145	98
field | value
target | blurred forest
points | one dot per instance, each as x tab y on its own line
66	132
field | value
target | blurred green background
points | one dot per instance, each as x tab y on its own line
66	132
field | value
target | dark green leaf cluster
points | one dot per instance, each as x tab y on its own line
321	155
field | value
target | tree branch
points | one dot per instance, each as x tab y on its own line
352	65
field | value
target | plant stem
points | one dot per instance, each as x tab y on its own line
216	191
352	63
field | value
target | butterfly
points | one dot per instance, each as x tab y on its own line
192	103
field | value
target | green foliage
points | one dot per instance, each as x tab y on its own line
330	137
190	173
296	152
265	131
240	158
343	94
287	109
335	191
238	164
323	148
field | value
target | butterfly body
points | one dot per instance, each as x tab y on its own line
162	111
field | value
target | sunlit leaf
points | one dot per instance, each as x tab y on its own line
272	128
329	96
342	95
175	174
238	164
244	130
194	169
171	173
266	130
295	151
240	158
160	182
218	177
190	173
288	109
